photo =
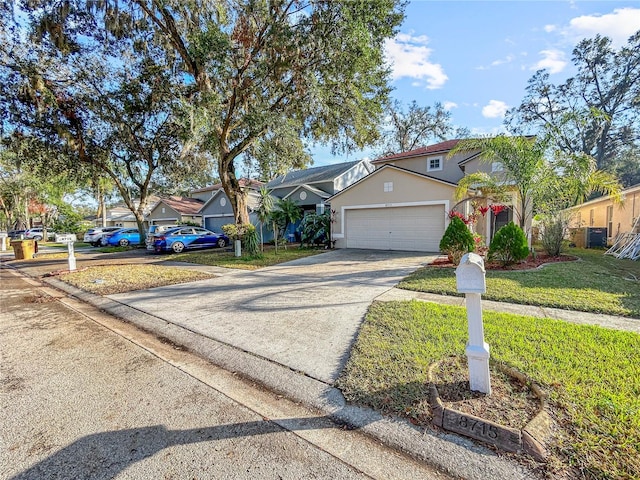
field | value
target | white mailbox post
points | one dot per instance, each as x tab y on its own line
471	281
72	258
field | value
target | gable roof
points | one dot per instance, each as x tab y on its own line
441	147
182	205
311	188
251	195
244	182
327	173
394	167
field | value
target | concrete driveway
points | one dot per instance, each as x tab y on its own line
303	314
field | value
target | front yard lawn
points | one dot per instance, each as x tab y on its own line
110	279
228	260
592	376
597	283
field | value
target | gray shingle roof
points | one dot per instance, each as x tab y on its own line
326	173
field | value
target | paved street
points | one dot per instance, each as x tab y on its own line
86	396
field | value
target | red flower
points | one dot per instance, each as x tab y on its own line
496	209
483	210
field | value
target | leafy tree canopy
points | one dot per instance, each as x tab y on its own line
596	112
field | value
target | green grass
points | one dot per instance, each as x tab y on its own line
598	283
110	279
592	374
245	262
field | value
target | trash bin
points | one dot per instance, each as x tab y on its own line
23	249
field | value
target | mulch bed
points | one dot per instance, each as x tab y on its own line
528	264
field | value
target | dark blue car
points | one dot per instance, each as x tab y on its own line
187	238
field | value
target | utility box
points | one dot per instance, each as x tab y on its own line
470	274
595	237
23	249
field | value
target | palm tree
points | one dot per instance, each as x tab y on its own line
550	185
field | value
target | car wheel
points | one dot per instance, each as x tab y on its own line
221	242
37	238
124	242
177	247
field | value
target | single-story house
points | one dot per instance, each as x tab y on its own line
603	212
405	203
176	210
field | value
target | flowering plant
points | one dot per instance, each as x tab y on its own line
496	208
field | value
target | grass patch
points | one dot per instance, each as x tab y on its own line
592	375
109	279
228	260
598	283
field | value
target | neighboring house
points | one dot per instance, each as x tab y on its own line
121	216
404	204
311	188
206	193
217	210
176	210
602	212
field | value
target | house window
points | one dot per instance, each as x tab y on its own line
434	164
223	202
591	217
163	210
610	220
303	195
388	186
497	167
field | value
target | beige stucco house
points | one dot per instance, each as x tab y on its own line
176	210
404	204
603	212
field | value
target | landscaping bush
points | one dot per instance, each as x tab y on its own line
457	240
315	229
246	233
250	240
509	245
552	234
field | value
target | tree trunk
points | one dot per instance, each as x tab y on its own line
231	186
140	221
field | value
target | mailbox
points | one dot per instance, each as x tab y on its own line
470	274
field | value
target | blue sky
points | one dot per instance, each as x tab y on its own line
475	57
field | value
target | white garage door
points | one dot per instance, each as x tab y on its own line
396	228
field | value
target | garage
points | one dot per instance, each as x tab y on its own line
215	223
411	228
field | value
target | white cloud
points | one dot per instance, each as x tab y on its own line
408	57
552	60
496	63
449	105
550	28
618	25
495	109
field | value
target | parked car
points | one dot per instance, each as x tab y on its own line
122	237
188	238
157	230
37	234
94	235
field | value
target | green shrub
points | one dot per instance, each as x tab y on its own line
457	240
250	240
314	229
246	233
509	245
